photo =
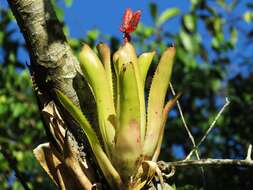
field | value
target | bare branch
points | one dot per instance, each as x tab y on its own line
170	166
204	162
52	64
171	173
183	120
52	60
188	132
209	129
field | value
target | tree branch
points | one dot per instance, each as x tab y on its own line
209	129
188	131
53	64
52	60
184	122
169	167
204	162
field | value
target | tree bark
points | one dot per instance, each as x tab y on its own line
52	60
52	65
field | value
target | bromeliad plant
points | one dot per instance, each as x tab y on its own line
131	131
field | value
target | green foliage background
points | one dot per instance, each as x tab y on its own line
209	45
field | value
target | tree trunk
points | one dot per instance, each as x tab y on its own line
52	60
54	66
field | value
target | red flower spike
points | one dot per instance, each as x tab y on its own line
130	22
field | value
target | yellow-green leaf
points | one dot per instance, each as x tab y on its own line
105	164
96	76
156	100
166	15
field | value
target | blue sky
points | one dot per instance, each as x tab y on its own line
106	15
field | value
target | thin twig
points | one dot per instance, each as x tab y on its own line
183	120
166	166
209	129
249	152
171	173
188	132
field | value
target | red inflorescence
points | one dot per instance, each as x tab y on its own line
129	23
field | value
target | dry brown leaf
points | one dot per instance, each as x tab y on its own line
63	176
55	123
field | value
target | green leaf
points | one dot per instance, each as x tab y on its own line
186	41
74	43
189	22
144	61
95	74
130	110
68	3
66	30
105	56
248	16
105	164
1	37
168	106
10	15
183	55
129	99
93	34
166	15
59	11
233	36
148	31
195	2
78	116
18	109
153	11
215	85
217	25
215	43
222	3
128	135
17	185
12	57
125	55
156	100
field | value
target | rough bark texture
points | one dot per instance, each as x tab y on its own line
51	58
52	63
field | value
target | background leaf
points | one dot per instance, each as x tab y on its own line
166	15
